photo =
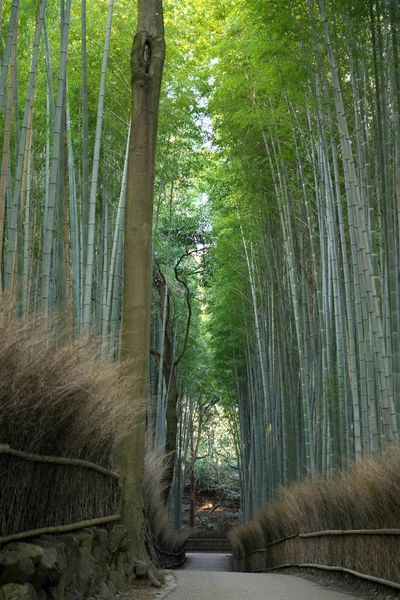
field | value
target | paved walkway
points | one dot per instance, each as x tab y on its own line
197	561
206	577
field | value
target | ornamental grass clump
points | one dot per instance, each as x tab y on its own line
277	521
247	537
164	541
363	502
59	400
377	487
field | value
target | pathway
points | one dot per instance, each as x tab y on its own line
206	577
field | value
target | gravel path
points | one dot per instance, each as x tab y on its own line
206	577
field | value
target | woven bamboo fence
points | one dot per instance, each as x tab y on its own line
47	494
369	554
171	560
59	494
63	412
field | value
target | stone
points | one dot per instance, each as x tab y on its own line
118	581
118	539
86	538
14	591
100	537
59	589
68	567
53	563
99	553
32	551
72	552
68	539
141	568
111	587
49	559
104	592
84	569
15	567
120	564
68	574
46	570
52	592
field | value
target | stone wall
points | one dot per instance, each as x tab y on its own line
91	563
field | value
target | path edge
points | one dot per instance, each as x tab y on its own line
170	585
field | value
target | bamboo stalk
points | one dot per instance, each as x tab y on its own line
7	52
88	282
55	165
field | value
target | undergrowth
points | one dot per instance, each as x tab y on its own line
161	534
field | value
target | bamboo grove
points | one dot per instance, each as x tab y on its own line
64	122
308	145
65	125
276	246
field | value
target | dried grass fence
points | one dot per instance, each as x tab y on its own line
91	498
349	525
63	410
167	546
369	555
63	413
100	486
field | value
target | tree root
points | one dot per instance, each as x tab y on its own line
155	576
147	569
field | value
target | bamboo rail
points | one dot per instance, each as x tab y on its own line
332	532
174	564
58	460
328	532
168	553
289	537
172	555
59	528
350	532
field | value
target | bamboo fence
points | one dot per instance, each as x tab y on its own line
367	554
50	494
21	520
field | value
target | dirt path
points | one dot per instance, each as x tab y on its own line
206	577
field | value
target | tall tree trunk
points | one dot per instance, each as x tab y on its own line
166	433
146	68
